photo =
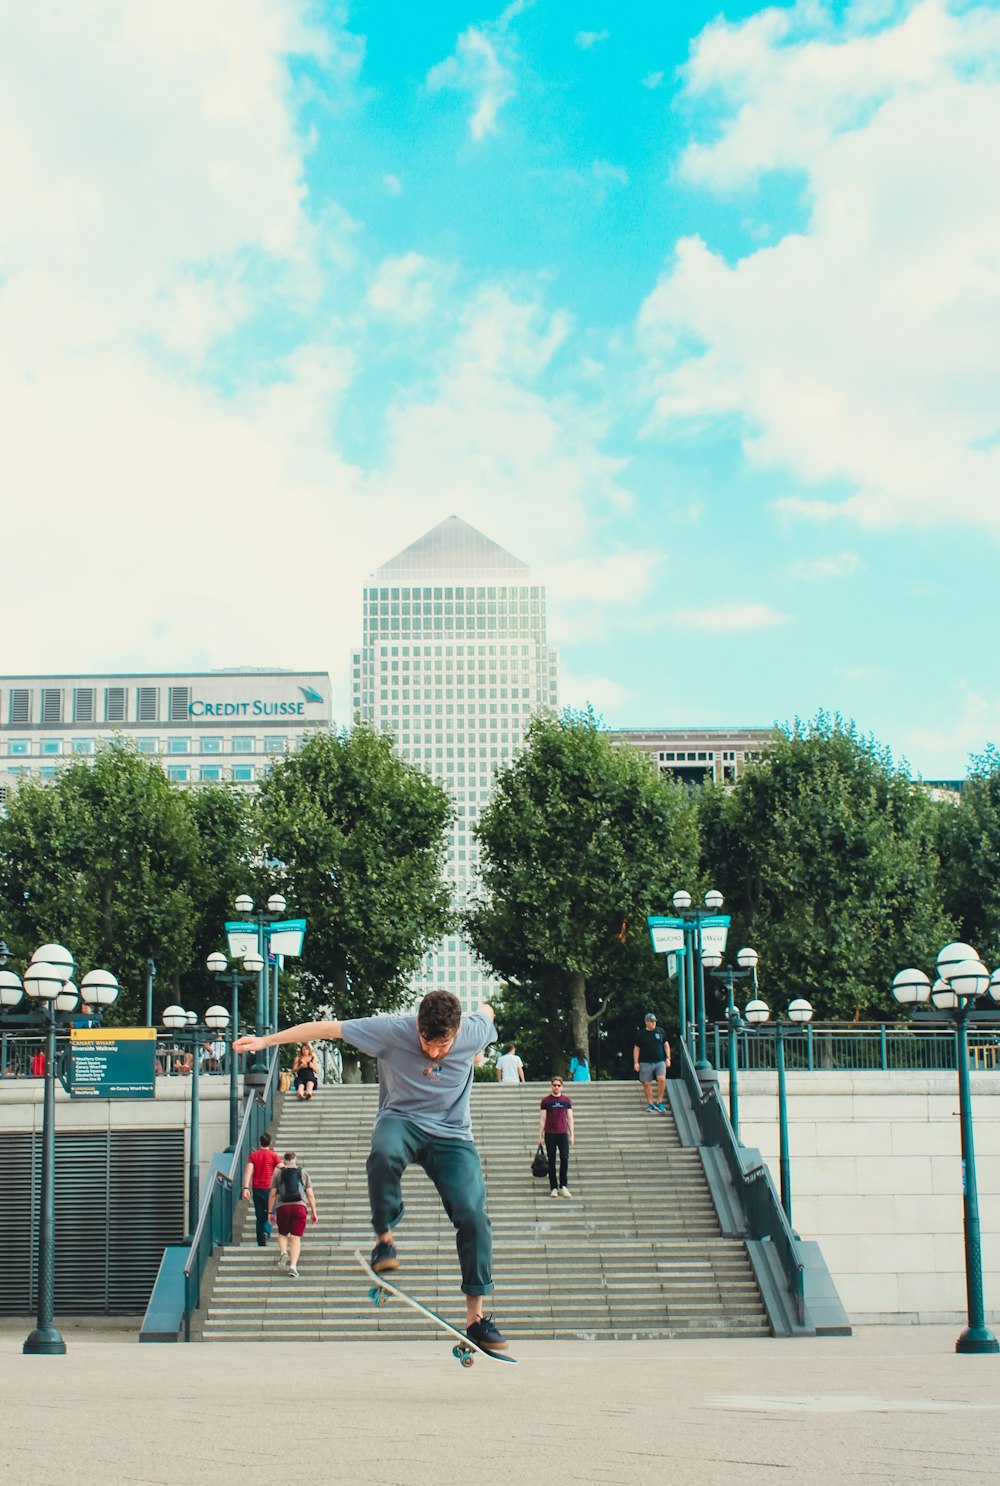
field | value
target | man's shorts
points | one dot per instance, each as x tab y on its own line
292	1219
649	1071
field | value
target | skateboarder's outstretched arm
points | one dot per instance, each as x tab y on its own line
304	1032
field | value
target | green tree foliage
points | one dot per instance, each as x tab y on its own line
108	859
579	843
969	845
362	837
825	852
224	821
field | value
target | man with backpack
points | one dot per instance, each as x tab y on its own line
291	1190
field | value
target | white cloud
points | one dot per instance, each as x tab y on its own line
721	619
607	174
585	40
973	721
652	80
860	350
393	185
841	565
404	288
481	66
603	693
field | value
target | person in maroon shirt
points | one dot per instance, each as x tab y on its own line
555	1128
257	1183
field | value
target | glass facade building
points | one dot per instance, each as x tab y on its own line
454	663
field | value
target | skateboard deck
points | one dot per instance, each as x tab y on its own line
464	1350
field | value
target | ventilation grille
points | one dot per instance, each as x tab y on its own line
51	704
149	703
119	1199
20	705
114	703
180	703
84	704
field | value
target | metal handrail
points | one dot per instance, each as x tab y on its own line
762	1207
215	1217
844	1047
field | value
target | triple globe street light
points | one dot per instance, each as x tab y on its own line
263	918
694	915
223	969
191	1033
48	986
747	961
961	979
800	1011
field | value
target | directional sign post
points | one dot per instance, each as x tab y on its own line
112	1063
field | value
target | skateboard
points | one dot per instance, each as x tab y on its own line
464	1350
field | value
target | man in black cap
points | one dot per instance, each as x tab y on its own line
651	1056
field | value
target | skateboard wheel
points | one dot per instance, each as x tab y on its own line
377	1296
467	1359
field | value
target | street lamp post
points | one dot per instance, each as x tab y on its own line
150	977
189	1032
221	967
799	1012
263	918
48	985
747	960
962	978
693	916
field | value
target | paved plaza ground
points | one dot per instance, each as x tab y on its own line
890	1404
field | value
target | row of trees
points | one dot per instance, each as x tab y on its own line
835	867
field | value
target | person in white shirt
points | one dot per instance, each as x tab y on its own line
510	1069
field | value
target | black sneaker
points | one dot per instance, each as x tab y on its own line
384	1257
486	1335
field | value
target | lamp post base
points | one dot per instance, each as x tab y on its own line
977	1339
707	1076
44	1341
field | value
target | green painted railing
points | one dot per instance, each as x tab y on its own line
851	1047
765	1217
222	1193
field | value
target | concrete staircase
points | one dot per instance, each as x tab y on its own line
636	1252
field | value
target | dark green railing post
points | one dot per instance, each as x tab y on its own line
45	1340
977	1336
734	1095
194	1142
883	1048
784	1165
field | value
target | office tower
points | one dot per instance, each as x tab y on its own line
453	664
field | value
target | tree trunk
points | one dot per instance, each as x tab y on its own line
579	1017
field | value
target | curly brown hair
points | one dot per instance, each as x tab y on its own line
438	1015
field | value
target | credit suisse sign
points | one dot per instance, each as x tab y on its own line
256	708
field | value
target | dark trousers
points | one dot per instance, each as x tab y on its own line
260	1195
558	1143
454	1168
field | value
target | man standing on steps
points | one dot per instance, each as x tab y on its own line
651	1058
555	1130
257	1184
425	1079
290	1190
510	1069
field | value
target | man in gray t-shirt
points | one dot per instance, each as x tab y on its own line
426	1064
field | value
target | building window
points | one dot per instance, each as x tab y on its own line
211	745
52	745
148	704
83	745
19	746
177	773
274	745
149	745
243	745
48	772
20	706
212	773
115	698
242	773
178	745
84	704
179	703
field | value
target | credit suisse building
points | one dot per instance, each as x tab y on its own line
211	726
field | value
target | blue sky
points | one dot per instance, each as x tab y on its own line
695	310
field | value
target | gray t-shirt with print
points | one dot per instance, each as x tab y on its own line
434	1096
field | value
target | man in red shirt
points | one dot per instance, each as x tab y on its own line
257	1183
555	1128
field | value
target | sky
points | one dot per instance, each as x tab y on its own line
695	310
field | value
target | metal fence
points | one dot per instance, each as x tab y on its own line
222	1193
852	1047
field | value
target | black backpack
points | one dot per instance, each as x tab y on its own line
290	1185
